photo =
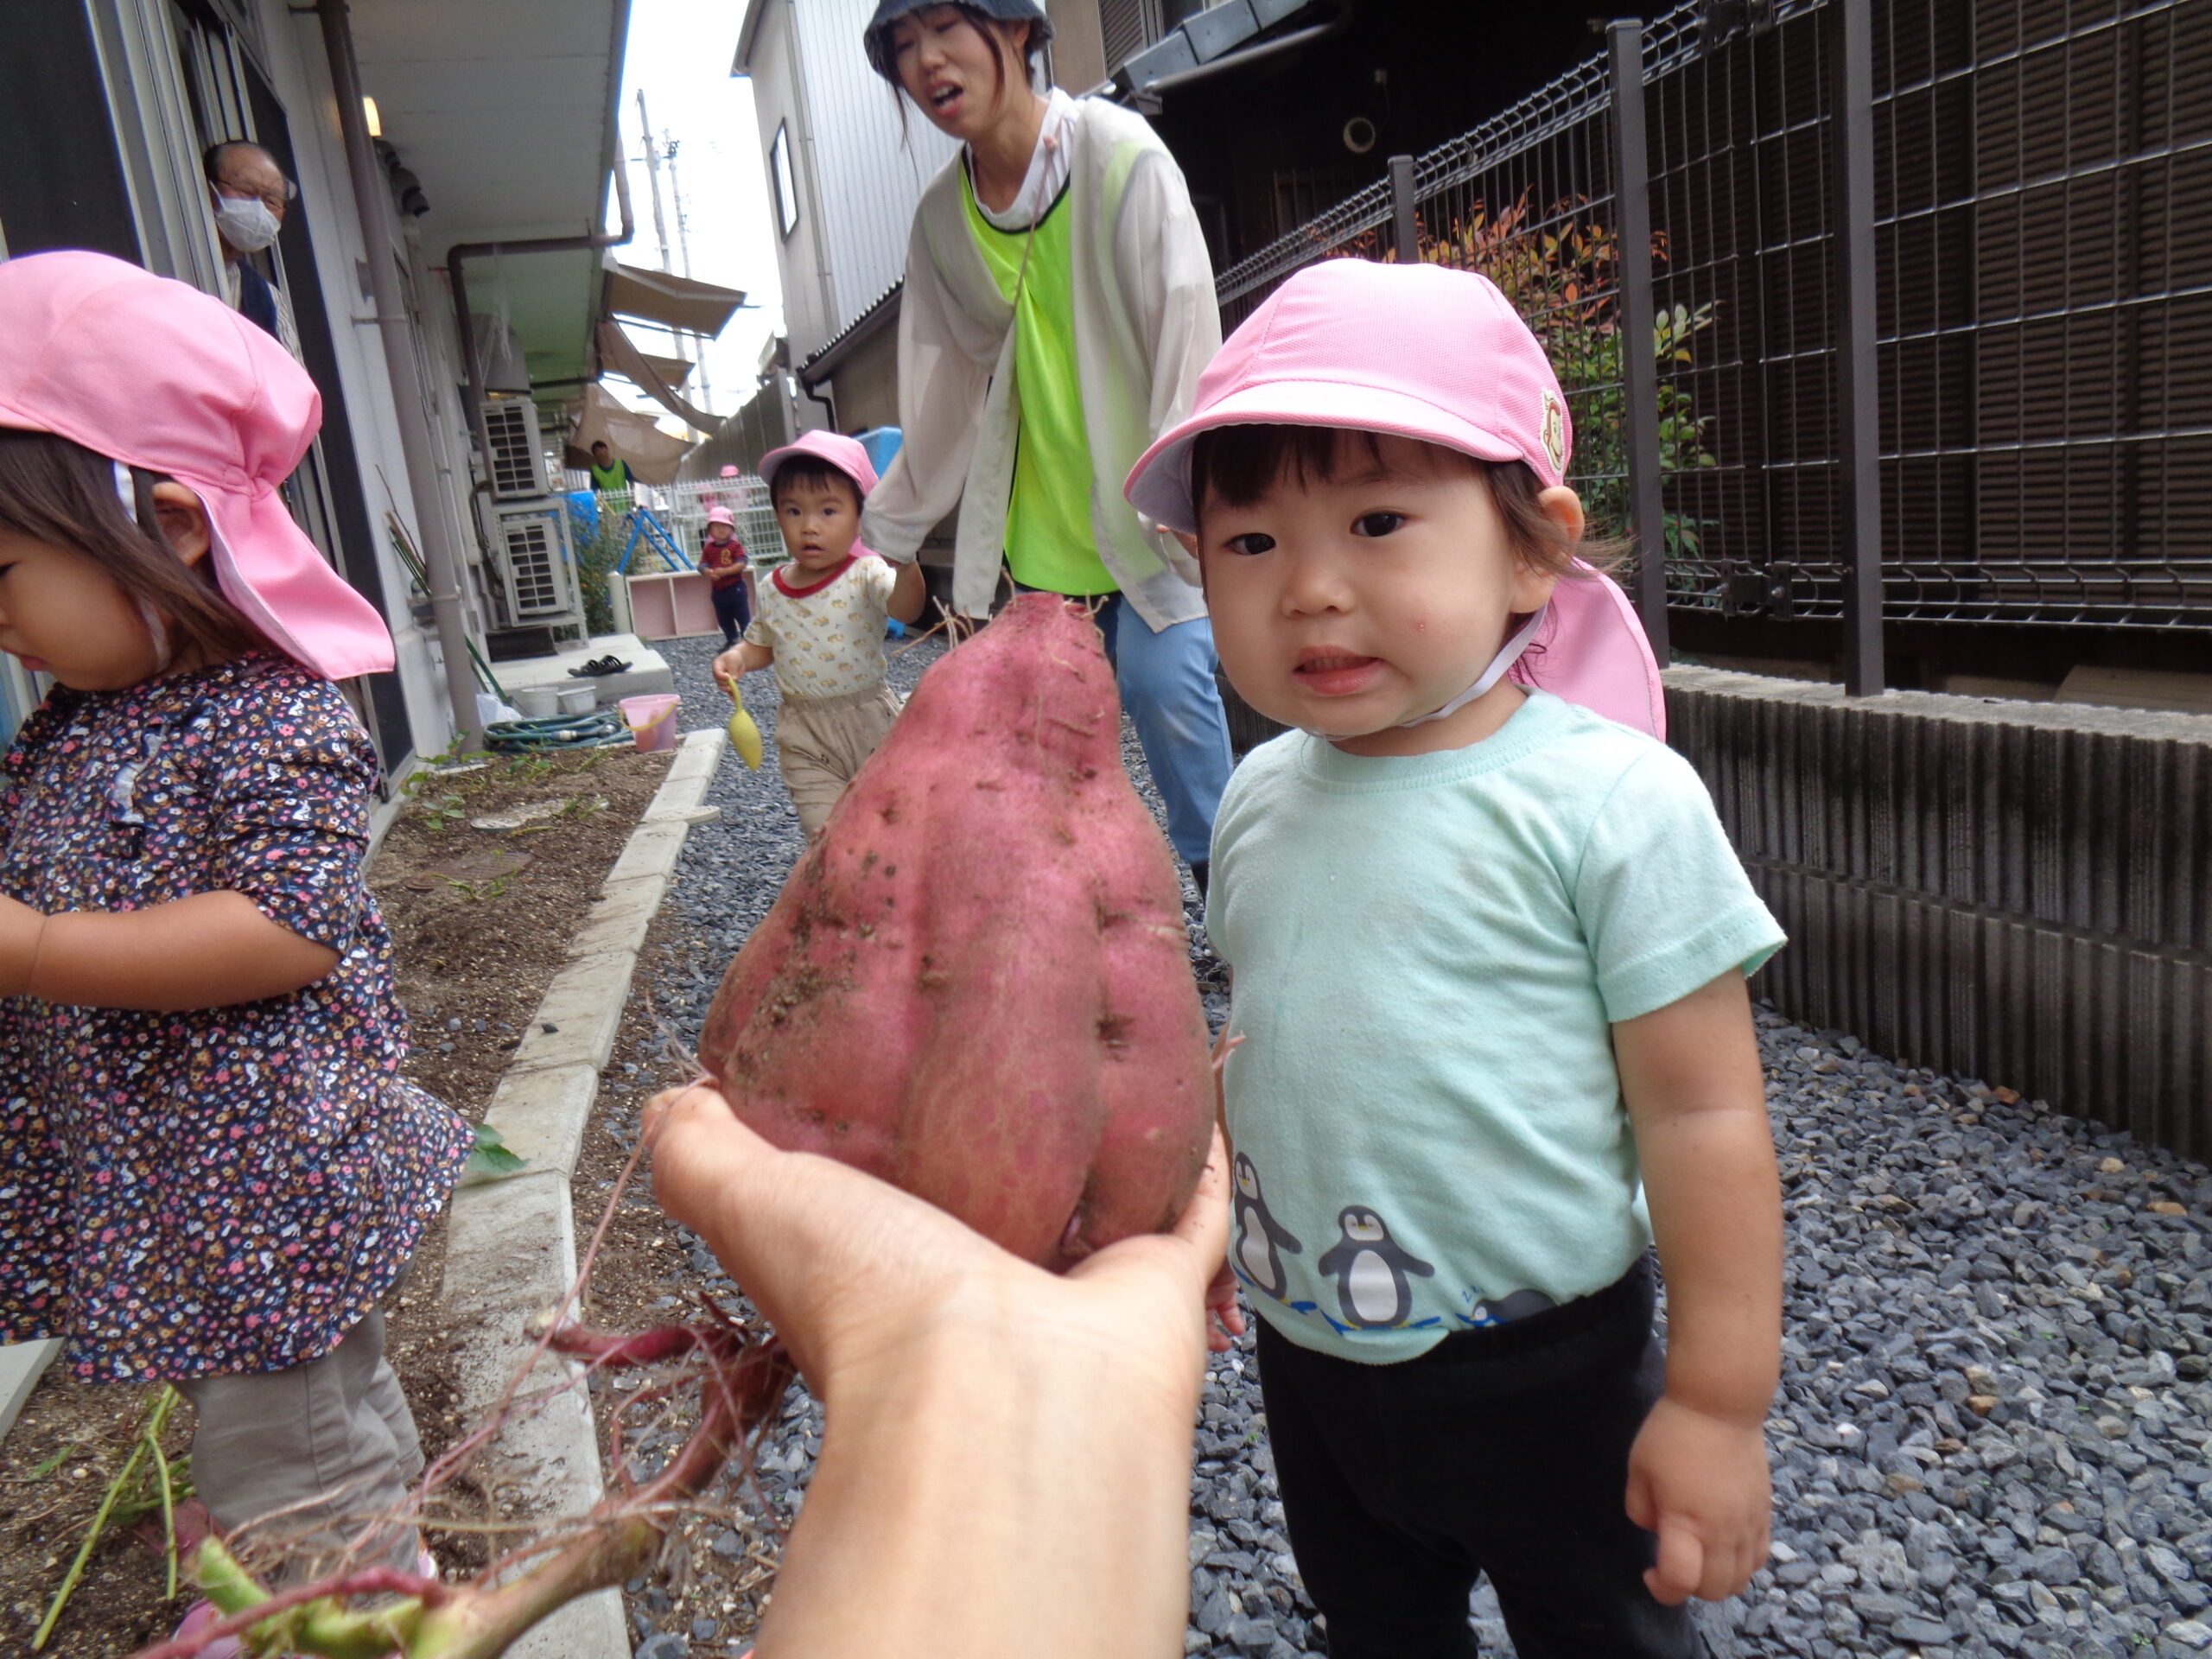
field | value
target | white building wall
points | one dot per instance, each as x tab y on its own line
802	263
869	170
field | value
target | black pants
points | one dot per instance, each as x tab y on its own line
1502	1451
732	611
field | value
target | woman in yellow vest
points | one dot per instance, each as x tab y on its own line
1058	307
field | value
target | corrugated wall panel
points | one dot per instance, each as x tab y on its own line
2015	892
871	170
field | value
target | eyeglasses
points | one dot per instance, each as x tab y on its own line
275	200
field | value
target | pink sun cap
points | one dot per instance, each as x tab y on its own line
156	374
1417	351
848	455
1434	354
720	515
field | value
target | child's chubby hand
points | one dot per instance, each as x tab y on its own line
1699	1484
730	665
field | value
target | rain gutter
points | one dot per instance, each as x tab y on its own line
1147	97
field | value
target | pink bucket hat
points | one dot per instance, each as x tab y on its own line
720	515
848	455
1438	355
159	376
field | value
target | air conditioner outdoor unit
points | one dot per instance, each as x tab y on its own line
517	458
537	567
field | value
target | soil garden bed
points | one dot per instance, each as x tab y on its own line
480	923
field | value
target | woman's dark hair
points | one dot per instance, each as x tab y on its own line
60	492
812	470
1235	465
883	57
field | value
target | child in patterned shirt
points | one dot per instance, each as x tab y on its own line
210	1167
821	623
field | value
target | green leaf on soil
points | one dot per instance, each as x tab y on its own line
490	1155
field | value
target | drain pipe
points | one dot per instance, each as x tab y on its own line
461	254
441	558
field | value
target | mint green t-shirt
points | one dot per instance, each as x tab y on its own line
1429	953
1050	543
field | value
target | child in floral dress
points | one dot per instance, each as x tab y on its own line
210	1168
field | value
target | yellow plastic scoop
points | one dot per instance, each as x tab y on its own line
744	735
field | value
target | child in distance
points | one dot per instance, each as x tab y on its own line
821	622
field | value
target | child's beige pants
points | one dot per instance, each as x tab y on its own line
317	1448
821	743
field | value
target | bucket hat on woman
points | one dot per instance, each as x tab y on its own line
1440	356
887	12
161	376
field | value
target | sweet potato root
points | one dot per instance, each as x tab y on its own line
976	984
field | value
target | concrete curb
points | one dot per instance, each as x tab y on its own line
22	1365
510	1250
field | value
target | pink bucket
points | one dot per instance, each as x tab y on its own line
651	720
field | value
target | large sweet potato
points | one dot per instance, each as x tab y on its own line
976	984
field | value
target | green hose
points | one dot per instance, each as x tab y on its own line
601	728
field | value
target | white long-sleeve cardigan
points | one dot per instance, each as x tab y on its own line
1146	323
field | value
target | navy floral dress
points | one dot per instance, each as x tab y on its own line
228	1190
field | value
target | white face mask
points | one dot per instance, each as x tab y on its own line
246	222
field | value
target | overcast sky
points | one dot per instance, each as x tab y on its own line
679	56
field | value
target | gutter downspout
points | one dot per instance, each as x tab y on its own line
440	559
461	254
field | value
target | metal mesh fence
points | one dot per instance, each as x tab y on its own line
2044	226
2043	238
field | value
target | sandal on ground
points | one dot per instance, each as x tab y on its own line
599	667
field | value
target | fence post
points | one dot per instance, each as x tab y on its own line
1639	366
1859	429
1406	230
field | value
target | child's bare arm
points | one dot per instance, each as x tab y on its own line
909	594
741	659
1697	1100
207	952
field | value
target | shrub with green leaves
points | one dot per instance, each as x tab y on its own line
1563	273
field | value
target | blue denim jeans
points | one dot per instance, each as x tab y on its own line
1167	685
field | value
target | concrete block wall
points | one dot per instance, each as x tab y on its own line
2020	892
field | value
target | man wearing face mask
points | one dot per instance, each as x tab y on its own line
248	193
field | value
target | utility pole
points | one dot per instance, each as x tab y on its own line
684	251
652	169
660	226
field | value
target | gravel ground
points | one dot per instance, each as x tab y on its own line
1991	1434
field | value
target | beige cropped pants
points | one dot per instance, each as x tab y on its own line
822	742
317	1449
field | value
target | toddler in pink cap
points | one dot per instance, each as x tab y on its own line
211	1169
820	621
1489	946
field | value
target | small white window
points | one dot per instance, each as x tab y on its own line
779	171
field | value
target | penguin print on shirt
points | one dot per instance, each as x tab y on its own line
1370	1267
1259	1236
